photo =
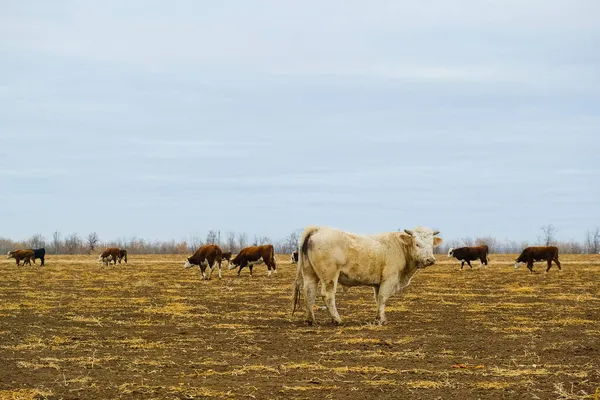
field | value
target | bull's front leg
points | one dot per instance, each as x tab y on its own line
386	289
219	265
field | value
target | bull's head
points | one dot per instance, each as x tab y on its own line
9	254
451	252
425	241
188	264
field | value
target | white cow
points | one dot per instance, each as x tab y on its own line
386	262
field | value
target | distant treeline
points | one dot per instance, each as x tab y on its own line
232	241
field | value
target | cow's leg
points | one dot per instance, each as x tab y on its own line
311	282
209	272
557	263
462	264
220	276
549	266
386	289
202	269
250	267
42	261
328	293
469	262
240	270
484	262
530	266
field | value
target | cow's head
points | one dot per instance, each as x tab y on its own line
100	258
451	252
232	264
424	241
188	263
9	254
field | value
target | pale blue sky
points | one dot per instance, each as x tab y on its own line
166	119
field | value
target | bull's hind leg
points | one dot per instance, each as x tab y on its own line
549	266
310	293
328	292
219	265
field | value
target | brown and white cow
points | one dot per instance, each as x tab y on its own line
25	255
208	255
122	256
531	254
468	254
252	255
387	262
108	255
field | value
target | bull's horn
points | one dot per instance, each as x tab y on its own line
436	233
408	231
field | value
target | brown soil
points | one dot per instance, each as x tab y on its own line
152	330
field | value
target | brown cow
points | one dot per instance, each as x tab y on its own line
25	255
122	256
468	254
252	255
108	255
545	253
208	255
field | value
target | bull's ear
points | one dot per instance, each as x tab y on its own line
437	241
408	232
436	233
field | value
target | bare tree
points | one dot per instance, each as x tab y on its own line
37	241
212	237
548	236
293	241
489	241
264	240
72	243
231	246
195	243
592	241
467	241
92	240
242	240
56	241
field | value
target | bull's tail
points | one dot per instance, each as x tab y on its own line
302	258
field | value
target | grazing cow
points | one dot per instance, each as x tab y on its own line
122	256
108	255
208	255
531	254
25	255
39	253
294	257
386	262
468	254
226	256
252	255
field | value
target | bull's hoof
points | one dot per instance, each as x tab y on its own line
336	323
309	323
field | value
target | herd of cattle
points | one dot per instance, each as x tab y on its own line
327	256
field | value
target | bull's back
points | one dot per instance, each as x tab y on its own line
359	259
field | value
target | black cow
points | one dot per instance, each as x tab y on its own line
39	253
468	254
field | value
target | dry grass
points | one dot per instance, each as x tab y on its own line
152	330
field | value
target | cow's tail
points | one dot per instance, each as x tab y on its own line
302	258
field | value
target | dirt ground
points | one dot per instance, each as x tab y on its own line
152	330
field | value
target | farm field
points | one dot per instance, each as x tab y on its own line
152	330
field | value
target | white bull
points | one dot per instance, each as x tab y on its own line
386	262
